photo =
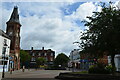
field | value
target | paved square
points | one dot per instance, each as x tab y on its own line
34	73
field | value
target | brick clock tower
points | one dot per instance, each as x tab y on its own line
13	31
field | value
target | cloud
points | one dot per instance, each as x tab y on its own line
52	33
4	17
84	10
45	24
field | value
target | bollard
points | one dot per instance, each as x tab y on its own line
23	68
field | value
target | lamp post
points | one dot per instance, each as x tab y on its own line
4	50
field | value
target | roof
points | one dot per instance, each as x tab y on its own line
2	33
15	16
40	50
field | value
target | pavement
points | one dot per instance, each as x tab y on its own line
33	74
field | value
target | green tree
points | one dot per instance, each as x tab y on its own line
24	57
62	60
40	61
103	33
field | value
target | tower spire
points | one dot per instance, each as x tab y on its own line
15	16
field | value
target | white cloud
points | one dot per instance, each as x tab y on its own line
44	24
47	26
4	17
84	10
117	4
49	32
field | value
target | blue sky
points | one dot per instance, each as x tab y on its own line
54	25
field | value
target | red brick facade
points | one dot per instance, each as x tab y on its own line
13	31
49	55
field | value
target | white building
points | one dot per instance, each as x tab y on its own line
117	61
74	57
4	39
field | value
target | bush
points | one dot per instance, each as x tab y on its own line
109	68
98	69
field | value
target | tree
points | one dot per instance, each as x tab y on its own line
24	57
62	60
103	34
41	61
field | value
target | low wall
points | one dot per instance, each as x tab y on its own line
87	76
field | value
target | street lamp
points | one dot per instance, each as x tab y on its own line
4	50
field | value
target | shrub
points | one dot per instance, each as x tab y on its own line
98	69
109	68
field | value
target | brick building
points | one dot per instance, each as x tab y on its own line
13	31
49	55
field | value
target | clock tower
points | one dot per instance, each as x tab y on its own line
13	31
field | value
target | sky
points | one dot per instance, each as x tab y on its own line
52	25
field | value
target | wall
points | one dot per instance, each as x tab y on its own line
7	51
75	54
117	61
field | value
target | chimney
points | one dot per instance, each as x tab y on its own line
31	48
42	48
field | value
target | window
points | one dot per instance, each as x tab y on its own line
51	59
5	41
33	59
46	58
45	54
39	54
51	54
33	54
10	33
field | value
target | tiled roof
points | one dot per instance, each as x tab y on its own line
15	16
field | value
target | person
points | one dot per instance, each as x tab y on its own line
23	68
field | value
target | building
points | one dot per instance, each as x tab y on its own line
49	55
87	59
4	39
13	31
103	59
74	58
117	61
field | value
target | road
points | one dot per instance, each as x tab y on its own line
35	74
